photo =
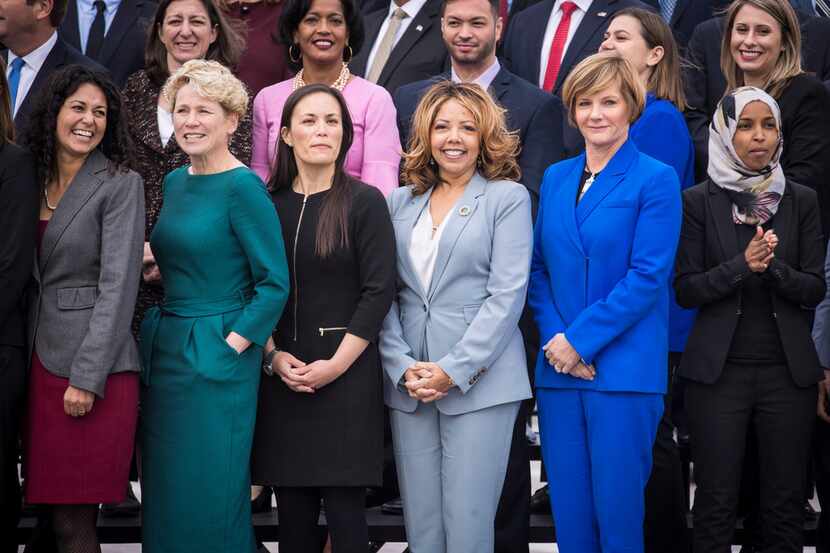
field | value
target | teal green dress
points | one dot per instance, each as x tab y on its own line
218	243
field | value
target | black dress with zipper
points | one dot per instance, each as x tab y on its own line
333	437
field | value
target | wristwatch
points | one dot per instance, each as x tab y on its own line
268	362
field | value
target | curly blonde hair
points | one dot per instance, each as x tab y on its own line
499	147
213	81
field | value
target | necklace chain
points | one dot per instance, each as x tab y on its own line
339	84
49	206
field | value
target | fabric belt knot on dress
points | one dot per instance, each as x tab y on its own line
187	308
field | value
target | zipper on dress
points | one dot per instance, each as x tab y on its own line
323	330
296	239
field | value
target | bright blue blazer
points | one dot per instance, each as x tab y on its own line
661	133
600	270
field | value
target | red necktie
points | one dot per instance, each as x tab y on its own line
503	11
557	47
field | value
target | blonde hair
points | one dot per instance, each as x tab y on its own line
788	64
598	72
499	147
211	80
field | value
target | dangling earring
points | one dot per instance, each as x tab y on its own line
351	54
432	162
296	59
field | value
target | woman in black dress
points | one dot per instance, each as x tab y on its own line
319	431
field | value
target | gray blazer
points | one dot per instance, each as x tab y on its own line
467	322
87	275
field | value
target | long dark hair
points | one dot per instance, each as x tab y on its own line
226	49
39	135
296	10
333	223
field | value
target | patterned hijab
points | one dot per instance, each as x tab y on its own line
755	195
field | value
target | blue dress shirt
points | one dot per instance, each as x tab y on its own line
86	15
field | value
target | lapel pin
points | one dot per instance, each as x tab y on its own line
602	14
419	28
464	210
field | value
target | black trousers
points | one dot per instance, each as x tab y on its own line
12	395
664	526
821	465
765	398
299	509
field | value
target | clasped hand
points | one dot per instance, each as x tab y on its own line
427	382
77	402
302	377
761	250
562	356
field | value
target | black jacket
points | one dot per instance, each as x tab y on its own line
419	54
688	14
123	50
19	203
62	54
711	266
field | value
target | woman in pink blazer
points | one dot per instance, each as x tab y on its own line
323	36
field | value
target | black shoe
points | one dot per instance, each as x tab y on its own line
392	507
130	507
374	547
262	503
810	514
540	501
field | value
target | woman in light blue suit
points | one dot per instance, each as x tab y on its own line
605	239
450	346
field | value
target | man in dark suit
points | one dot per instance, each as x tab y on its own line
403	44
113	36
471	30
686	15
29	30
533	52
705	83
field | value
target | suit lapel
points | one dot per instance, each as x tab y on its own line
55	59
679	9
607	180
536	36
721	209
83	186
70	28
598	14
500	86
408	217
567	200
455	226
426	18
373	25
781	223
124	18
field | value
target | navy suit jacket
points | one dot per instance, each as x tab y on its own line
688	14
600	270
62	54
123	50
535	116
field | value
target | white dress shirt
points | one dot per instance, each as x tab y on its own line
86	15
485	79
423	246
578	14
32	62
165	123
412	7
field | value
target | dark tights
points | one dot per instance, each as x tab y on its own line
299	509
75	528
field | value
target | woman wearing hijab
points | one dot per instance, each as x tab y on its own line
751	260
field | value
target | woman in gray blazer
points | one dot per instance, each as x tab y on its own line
83	386
450	346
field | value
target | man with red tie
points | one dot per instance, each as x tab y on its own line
545	40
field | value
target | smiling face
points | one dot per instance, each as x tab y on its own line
756	42
82	121
625	37
322	34
471	31
455	141
603	117
186	32
316	131
756	136
202	126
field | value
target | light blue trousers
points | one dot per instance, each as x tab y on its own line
451	471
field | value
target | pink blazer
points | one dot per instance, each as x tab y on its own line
375	155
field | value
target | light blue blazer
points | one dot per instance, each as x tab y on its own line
467	322
600	270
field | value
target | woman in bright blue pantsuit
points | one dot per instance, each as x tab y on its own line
605	239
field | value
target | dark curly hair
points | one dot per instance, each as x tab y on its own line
294	12
39	135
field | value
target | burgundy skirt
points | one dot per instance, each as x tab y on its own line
79	460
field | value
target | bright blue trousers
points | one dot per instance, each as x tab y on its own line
597	448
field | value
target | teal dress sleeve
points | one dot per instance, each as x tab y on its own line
256	225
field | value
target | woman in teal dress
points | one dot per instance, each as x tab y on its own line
219	247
